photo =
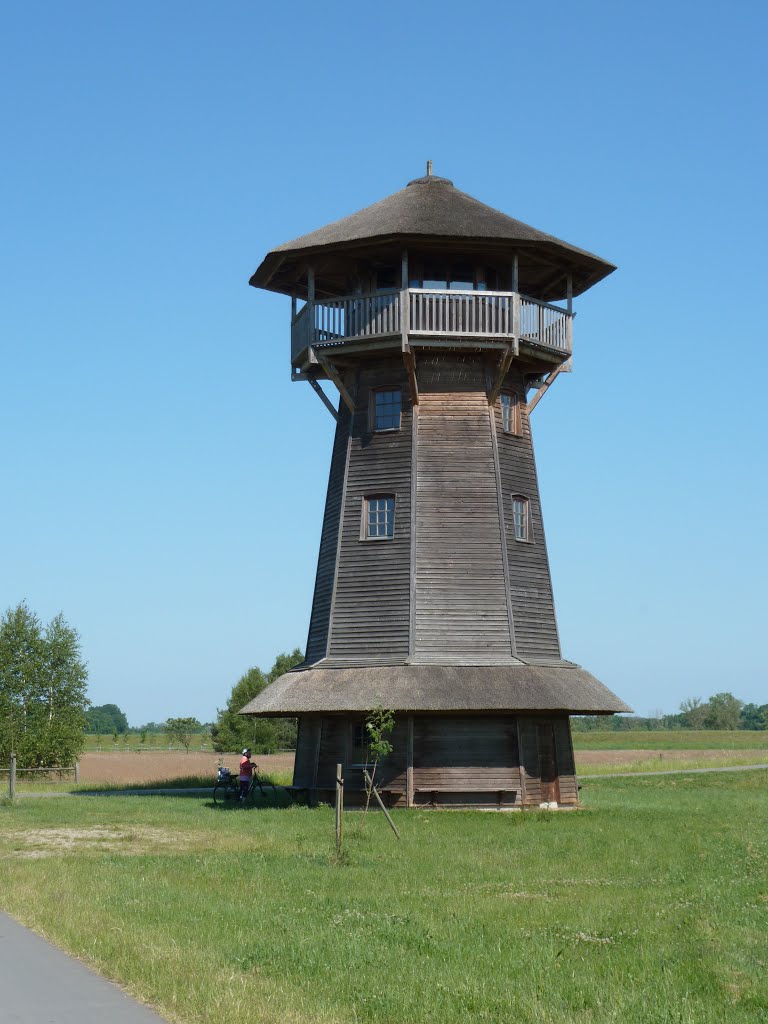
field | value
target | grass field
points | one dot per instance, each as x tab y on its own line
650	905
149	769
668	739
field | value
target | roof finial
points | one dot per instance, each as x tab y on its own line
429	168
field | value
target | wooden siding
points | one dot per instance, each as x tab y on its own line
463	755
457	759
533	610
306	750
333	750
461	605
528	732
371	605
317	639
566	766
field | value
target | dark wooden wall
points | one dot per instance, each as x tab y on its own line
533	609
317	640
456	759
472	593
461	604
370	616
465	751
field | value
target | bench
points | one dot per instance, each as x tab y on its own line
464	788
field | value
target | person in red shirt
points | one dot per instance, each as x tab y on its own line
246	772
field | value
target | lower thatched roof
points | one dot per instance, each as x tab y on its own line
437	688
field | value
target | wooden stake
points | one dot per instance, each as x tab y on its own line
12	778
375	792
339	806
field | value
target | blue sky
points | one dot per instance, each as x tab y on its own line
162	479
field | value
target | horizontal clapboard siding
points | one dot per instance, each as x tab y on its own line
529	758
566	767
333	746
371	605
317	639
466	751
306	750
533	609
461	606
454	756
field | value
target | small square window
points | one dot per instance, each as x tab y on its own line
521	518
378	518
510	412
386	409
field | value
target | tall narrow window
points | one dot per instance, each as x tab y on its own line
521	517
386	406
510	412
378	517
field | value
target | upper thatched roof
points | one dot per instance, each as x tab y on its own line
437	688
433	210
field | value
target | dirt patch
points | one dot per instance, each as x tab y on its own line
47	842
158	766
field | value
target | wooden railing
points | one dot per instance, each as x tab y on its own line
430	313
455	313
544	324
358	316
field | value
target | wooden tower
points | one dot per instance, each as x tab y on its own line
436	318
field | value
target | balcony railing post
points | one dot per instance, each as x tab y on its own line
516	314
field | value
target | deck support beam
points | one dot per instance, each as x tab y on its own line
546	385
323	398
410	368
501	373
334	376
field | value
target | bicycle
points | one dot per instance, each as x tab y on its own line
227	788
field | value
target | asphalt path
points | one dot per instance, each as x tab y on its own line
40	984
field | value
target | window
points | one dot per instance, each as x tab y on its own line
521	517
454	276
510	412
386	406
386	279
378	517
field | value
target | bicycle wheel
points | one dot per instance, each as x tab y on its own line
266	787
225	793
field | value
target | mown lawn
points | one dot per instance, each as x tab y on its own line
650	905
669	739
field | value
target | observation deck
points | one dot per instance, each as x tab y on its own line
430	318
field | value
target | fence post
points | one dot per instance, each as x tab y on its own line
12	778
339	806
77	771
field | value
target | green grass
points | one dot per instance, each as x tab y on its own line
664	739
659	763
650	905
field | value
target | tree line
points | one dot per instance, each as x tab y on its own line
45	712
721	711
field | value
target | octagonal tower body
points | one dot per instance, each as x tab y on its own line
437	319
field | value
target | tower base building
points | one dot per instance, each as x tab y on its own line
435	317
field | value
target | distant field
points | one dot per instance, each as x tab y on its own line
156	742
650	906
683	739
131	769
